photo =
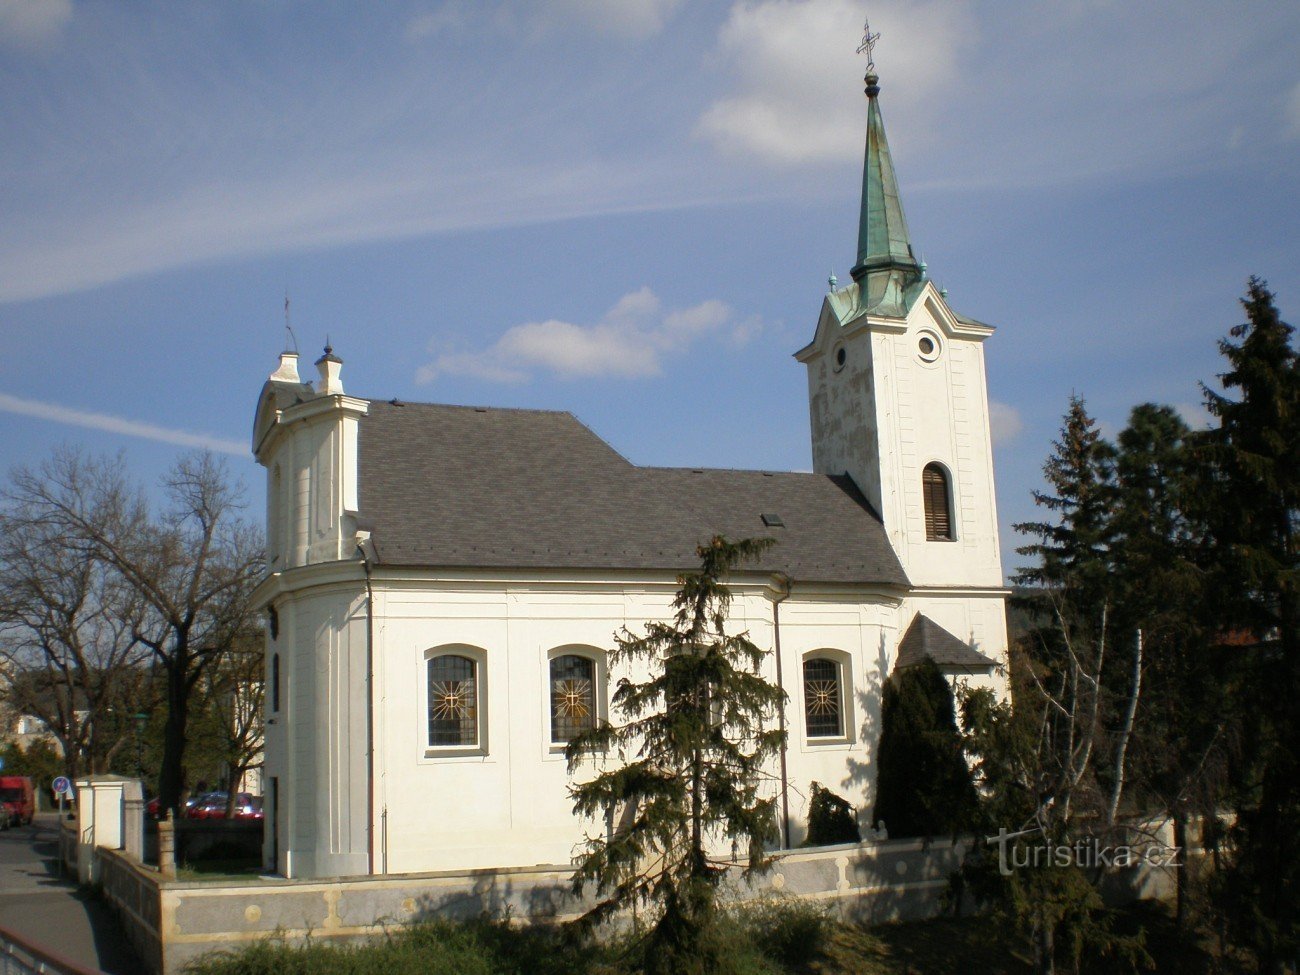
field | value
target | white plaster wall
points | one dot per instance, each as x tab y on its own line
312	484
940	414
317	745
509	805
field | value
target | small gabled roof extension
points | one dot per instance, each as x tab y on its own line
926	638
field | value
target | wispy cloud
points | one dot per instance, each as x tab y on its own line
54	413
630	340
33	23
1005	423
448	16
1291	112
633	19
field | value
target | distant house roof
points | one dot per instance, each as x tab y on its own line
926	638
457	486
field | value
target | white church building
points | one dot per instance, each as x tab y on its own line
444	582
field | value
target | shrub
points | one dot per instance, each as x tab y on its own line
830	819
791	932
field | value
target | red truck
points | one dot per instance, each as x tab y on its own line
18	798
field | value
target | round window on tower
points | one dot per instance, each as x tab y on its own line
841	357
928	347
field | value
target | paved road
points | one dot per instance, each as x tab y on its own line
50	910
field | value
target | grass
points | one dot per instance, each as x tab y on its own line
774	938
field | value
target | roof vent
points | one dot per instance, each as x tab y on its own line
773	521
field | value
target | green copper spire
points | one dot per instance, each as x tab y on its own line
884	249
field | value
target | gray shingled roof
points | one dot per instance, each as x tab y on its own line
458	486
926	638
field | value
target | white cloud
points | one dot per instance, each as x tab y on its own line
1005	423
448	17
632	19
116	424
1291	112
630	340
33	23
796	100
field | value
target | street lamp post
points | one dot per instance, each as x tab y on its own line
141	719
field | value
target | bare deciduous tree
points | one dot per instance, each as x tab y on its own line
192	566
67	639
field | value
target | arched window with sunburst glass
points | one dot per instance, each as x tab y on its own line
573	696
823	698
453	701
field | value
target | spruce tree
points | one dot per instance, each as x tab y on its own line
1177	747
690	758
1253	459
1072	552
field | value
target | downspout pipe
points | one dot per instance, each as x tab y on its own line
363	542
784	584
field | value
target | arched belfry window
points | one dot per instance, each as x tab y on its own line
938	503
573	696
823	697
453	701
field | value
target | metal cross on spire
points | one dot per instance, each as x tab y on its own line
289	338
868	45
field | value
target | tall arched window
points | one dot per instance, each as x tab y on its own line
573	696
823	698
275	682
453	701
938	511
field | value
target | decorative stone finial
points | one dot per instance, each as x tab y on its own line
832	280
288	369
329	365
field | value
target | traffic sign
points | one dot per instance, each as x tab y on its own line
61	786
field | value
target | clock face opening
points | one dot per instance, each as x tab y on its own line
928	347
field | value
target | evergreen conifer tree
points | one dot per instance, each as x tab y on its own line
1254	488
923	787
1072	552
1177	746
697	734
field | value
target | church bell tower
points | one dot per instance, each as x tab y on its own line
897	392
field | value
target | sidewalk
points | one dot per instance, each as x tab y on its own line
52	911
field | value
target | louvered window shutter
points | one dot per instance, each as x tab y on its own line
938	519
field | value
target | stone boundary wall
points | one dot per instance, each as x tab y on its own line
172	922
135	893
68	846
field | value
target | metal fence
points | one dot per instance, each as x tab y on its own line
18	956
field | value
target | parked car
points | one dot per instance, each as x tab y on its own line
209	805
249	807
213	806
19	798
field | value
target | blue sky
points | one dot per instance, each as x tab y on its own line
623	208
